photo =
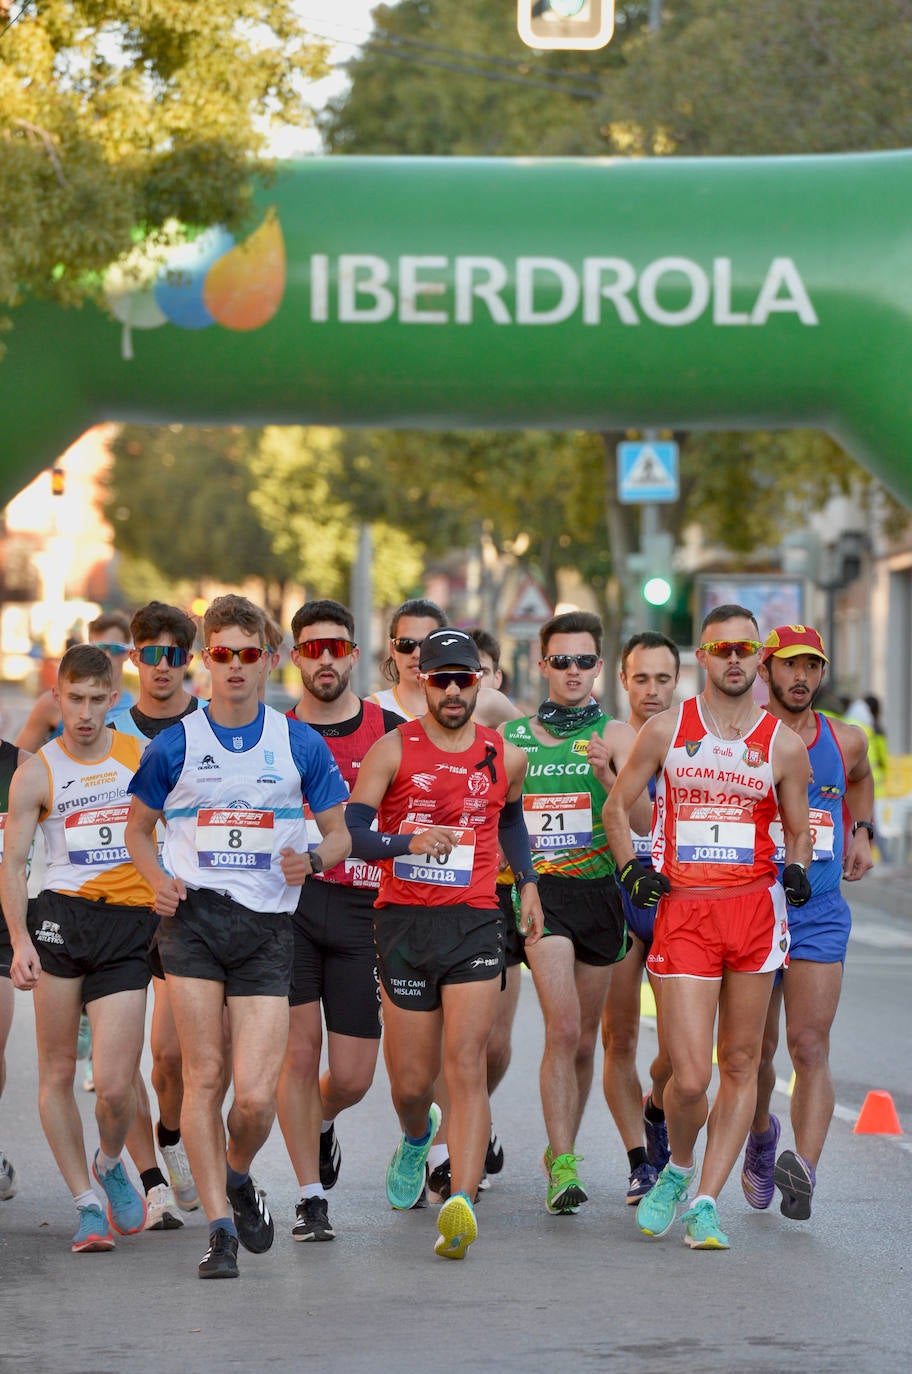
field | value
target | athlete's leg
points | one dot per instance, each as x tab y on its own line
811	998
660	1068
620	1033
412	1042
743	1004
259	1038
468	1013
198	1008
58	1003
591	988
351	1060
140	1140
500	1041
688	1017
298	1091
167	1076
118	1027
7	1004
552	963
766	1074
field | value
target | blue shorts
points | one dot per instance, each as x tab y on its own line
820	929
640	920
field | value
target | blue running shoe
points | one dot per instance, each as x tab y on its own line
796	1179
84	1038
126	1207
701	1227
658	1151
641	1181
93	1231
657	1210
405	1177
757	1170
457	1226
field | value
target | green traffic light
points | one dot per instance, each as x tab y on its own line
657	591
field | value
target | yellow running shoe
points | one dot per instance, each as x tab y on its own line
457	1226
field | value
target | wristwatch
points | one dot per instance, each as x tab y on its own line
864	825
316	861
521	878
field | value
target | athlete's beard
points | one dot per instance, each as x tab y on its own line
789	706
328	691
730	690
453	722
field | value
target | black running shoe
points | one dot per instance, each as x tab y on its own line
255	1229
422	1199
330	1158
220	1260
312	1222
494	1159
439	1182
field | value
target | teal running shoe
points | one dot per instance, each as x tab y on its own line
126	1207
701	1227
93	1231
405	1176
656	1212
84	1038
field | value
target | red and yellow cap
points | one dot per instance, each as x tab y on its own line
787	641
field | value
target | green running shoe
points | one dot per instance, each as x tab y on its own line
565	1192
405	1177
701	1227
657	1210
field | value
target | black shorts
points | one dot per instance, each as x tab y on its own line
212	936
334	957
588	911
420	948
103	944
513	941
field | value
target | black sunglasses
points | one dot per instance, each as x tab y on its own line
152	654
442	679
564	661
405	645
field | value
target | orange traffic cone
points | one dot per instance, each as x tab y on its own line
878	1116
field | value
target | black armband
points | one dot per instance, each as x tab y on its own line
514	841
371	844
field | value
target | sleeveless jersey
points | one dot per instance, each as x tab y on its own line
229	814
125	724
434	787
828	811
562	802
348	750
715	802
9	757
388	700
84	824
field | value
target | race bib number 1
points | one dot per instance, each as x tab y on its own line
452	870
715	835
234	839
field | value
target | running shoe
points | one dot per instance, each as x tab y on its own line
178	1166
457	1226
84	1038
422	1199
565	1192
220	1260
701	1227
439	1185
658	1151
88	1083
657	1210
126	1207
796	1179
330	1158
547	1161
93	1231
406	1174
494	1159
641	1181
255	1228
759	1161
7	1178
161	1210
312	1220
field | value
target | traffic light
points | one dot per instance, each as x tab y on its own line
575	24
653	563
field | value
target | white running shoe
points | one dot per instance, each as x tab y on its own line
7	1178
161	1209
178	1165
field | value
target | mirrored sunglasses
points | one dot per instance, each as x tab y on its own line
564	661
724	648
152	654
316	648
220	653
115	650
445	676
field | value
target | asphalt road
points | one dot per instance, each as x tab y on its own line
536	1293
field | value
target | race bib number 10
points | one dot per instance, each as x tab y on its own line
234	839
450	870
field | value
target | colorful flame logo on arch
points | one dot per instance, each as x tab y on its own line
210	280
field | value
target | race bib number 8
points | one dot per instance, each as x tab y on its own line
95	838
450	870
823	835
561	821
234	839
715	835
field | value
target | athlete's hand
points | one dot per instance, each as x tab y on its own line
531	921
797	884
644	886
295	867
599	761
858	858
168	892
26	967
434	843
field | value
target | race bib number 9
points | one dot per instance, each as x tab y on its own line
234	839
715	835
823	835
95	838
451	870
561	821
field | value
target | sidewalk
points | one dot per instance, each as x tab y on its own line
887	888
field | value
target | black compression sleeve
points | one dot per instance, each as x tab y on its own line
514	839
367	843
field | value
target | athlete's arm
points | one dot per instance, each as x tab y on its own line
29	797
514	842
641	763
332	849
493	708
377	771
792	775
859	798
139	837
618	739
43	718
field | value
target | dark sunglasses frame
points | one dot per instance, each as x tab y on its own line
404	644
442	677
335	644
152	654
564	661
220	653
724	648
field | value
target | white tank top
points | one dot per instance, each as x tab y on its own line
229	815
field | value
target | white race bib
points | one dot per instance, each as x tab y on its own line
560	821
234	839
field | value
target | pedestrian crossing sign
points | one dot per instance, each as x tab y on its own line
648	471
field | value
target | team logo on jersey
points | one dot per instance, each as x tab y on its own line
237	742
754	756
830	789
424	781
269	757
207	761
692	747
580	746
478	785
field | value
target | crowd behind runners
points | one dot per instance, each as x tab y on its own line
382	868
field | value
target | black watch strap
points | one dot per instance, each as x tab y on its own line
316	861
864	825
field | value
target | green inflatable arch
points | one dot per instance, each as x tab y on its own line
440	293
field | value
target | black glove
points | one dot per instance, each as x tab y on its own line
644	886
797	884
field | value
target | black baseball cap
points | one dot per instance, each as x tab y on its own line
448	648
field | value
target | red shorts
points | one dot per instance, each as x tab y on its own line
700	933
